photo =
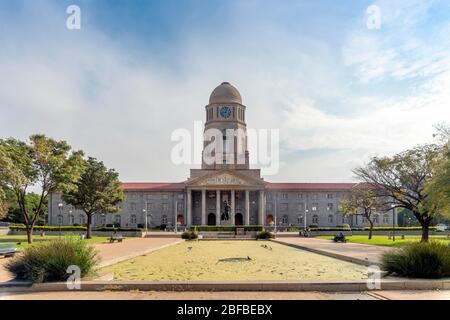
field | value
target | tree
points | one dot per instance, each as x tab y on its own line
362	200
98	191
3	205
438	187
15	214
42	163
402	181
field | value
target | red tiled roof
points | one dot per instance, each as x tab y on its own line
311	186
152	186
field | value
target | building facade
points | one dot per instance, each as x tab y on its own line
225	191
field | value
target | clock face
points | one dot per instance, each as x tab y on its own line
225	112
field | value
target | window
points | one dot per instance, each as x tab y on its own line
329	207
285	219
315	219
60	219
363	219
315	196
117	219
180	206
149	207
385	218
164	219
180	196
71	219
300	206
314	206
330	218
375	218
133	218
329	196
300	195
165	196
284	196
82	221
103	220
133	206
284	207
165	207
270	206
300	219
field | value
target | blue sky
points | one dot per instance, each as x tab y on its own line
338	91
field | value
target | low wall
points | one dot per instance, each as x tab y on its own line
4	231
126	234
362	233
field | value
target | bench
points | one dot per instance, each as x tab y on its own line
340	238
115	237
7	250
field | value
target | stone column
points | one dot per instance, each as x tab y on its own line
203	207
189	208
247	207
232	207
261	208
218	207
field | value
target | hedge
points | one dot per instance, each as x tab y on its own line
374	229
49	228
226	228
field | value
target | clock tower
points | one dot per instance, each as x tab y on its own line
225	134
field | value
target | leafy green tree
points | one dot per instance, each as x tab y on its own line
98	191
42	163
438	187
362	200
14	213
402	180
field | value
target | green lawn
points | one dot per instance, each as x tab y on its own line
385	241
20	241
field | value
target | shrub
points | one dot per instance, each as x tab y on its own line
111	229
189	235
226	228
48	261
264	235
419	260
313	226
343	226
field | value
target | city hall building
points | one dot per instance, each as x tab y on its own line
222	193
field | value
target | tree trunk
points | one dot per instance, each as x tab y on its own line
29	234
88	226
370	230
425	231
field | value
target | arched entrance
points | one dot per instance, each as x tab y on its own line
180	219
211	219
238	219
269	220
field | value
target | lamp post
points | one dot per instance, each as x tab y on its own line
60	207
176	216
275	207
145	216
393	222
304	221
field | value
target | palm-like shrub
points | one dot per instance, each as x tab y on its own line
430	260
48	261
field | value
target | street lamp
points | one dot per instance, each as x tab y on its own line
145	215
304	221
176	217
275	207
393	222
60	207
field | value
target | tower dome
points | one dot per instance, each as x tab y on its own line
225	93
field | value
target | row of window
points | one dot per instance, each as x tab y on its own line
300	207
117	219
314	196
330	219
164	207
135	196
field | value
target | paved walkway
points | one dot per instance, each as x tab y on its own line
111	253
354	252
233	295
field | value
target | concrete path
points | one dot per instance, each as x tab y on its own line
111	253
153	295
354	252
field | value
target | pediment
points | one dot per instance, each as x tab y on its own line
225	178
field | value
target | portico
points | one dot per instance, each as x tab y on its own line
225	198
